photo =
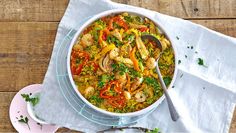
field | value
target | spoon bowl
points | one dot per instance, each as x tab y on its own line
173	113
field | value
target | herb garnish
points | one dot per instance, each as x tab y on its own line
179	61
167	80
103	79
201	62
33	100
96	99
185	56
177	37
24	120
122	69
153	82
155	130
41	126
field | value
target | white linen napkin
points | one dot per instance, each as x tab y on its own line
205	97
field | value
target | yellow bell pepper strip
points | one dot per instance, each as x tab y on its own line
102	37
139	43
105	50
133	58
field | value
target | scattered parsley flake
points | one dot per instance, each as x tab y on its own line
196	52
177	37
167	80
191	47
185	56
179	61
201	62
203	88
173	86
181	75
187	46
24	120
155	130
41	126
33	100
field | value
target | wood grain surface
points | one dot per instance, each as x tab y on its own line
28	29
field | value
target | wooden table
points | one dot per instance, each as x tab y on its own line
28	29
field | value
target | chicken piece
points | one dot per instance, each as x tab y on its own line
127	95
87	40
88	92
127	61
114	53
121	78
151	63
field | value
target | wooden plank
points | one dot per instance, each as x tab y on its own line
5	100
32	10
5	124
233	123
26	49
189	8
53	10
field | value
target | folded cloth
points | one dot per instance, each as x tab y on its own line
204	96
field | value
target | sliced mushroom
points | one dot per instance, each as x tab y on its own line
104	63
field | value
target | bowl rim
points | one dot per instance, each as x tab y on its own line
74	40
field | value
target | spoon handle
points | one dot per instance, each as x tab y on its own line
173	113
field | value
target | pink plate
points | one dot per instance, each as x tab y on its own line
18	108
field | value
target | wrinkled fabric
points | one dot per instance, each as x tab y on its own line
203	95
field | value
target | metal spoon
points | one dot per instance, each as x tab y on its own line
173	113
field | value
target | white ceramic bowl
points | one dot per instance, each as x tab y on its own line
84	26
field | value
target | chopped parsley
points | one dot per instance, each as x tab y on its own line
96	99
24	120
177	37
33	100
112	39
128	19
155	130
152	82
179	61
185	56
167	80
201	62
191	47
103	79
122	69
